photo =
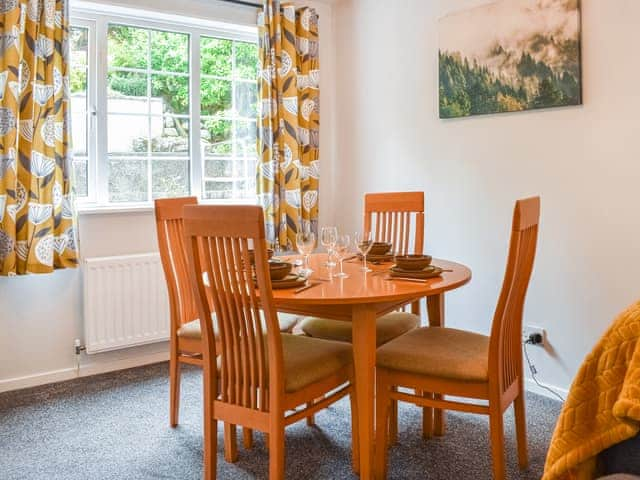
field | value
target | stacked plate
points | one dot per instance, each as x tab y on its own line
427	272
290	281
414	266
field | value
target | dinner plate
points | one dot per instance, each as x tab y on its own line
290	281
387	257
429	272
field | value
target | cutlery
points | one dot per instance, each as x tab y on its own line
306	287
414	280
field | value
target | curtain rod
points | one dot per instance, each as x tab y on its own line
243	3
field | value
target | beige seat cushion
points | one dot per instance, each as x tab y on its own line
438	352
192	329
308	360
389	326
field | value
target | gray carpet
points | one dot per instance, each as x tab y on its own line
115	426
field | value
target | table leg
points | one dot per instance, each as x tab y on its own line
364	357
435	311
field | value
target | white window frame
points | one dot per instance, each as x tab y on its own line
97	19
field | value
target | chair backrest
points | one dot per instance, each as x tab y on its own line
169	229
505	353
391	217
218	241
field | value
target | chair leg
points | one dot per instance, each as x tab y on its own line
427	418
355	441
383	405
311	419
230	443
247	438
174	389
521	430
497	442
393	420
210	448
276	451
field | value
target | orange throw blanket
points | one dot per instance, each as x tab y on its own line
603	407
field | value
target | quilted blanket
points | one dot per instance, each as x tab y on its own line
603	407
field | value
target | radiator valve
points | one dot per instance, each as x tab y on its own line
78	347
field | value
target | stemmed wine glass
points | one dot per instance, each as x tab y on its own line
364	242
342	250
305	243
328	239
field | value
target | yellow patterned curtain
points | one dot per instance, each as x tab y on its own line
37	231
289	124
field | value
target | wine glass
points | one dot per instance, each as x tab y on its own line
364	242
328	239
305	243
342	250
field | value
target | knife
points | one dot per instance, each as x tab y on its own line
403	279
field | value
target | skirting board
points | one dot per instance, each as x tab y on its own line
138	361
85	371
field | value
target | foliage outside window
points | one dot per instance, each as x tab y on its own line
150	151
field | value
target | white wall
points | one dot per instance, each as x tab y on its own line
584	162
40	316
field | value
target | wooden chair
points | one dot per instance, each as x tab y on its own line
396	218
464	364
185	332
261	373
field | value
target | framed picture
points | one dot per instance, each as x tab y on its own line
509	56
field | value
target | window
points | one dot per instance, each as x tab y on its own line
80	120
228	102
164	110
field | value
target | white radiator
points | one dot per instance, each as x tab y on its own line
125	302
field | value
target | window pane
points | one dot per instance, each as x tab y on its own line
238	189
80	177
218	168
170	178
246	60
78	81
215	96
128	134
128	46
128	180
215	56
79	122
245	138
216	137
170	136
79	38
218	190
172	92
127	93
246	99
169	51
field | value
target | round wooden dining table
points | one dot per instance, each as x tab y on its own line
360	299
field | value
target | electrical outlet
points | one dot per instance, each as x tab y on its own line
530	331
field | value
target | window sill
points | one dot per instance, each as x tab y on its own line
134	208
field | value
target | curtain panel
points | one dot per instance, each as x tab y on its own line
289	123
37	221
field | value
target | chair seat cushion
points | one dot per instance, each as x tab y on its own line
388	327
309	360
192	330
438	352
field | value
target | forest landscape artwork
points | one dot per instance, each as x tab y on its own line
509	56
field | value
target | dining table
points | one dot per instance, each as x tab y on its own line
361	298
